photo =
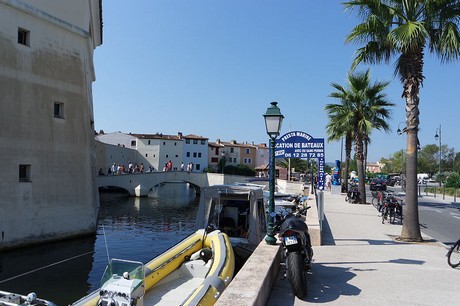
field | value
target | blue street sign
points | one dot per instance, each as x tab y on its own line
301	145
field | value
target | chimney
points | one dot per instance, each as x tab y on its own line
179	134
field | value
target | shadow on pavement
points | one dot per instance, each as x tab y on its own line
327	284
327	238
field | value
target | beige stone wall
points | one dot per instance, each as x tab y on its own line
60	198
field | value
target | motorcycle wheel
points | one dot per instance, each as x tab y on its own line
296	274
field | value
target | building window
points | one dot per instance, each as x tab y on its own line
167	156
177	156
199	154
146	155
175	143
58	110
194	154
197	167
188	154
195	141
23	37
214	160
248	151
203	142
187	140
149	142
232	150
24	173
164	143
133	143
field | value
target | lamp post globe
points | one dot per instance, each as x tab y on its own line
273	120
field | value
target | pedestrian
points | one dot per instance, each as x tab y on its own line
182	166
142	168
328	181
169	165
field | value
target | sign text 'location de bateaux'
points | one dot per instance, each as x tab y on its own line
301	145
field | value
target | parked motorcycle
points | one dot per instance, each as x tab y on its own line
297	250
353	195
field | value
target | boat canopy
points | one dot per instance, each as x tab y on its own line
237	210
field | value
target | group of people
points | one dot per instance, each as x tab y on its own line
135	168
122	169
168	166
189	167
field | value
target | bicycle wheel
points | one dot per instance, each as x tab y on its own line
453	256
375	202
384	214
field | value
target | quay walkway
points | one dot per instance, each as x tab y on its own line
359	262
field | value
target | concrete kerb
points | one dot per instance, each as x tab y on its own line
252	285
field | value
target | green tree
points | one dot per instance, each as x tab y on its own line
394	164
297	164
427	159
405	29
453	180
363	107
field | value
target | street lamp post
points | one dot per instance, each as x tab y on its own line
438	136
273	120
400	132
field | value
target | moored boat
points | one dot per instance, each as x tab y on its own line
13	299
193	272
237	210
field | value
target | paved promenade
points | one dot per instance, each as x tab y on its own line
360	263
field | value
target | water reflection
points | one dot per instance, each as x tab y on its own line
135	229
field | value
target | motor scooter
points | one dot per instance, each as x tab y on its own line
297	250
353	195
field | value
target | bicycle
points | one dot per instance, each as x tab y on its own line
377	199
391	209
453	255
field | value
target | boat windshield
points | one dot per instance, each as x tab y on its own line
118	267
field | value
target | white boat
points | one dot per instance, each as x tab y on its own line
193	272
239	211
13	299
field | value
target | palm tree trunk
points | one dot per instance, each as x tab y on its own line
360	165
411	227
348	143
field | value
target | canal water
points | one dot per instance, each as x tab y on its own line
131	228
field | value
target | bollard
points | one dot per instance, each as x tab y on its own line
320	209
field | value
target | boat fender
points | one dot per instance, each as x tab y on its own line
195	256
31	297
206	254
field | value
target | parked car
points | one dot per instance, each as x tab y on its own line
378	184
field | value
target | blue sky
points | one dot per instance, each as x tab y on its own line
212	67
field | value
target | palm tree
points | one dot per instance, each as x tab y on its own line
336	130
363	107
404	29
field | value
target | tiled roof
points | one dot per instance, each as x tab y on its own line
156	136
193	136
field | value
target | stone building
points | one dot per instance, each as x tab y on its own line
47	182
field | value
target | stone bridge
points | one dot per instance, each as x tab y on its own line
140	184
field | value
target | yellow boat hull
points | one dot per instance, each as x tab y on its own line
218	276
